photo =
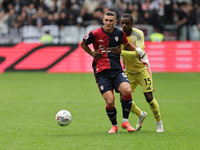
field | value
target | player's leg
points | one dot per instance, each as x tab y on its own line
134	83
155	110
134	109
111	110
137	111
106	89
147	84
125	89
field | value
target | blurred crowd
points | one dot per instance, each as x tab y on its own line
18	13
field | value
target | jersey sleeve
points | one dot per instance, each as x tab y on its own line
124	39
89	38
128	54
140	42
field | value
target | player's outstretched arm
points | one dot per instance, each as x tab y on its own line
119	51
132	47
129	54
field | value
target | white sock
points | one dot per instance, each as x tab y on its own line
141	114
124	120
159	122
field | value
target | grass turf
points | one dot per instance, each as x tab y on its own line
29	102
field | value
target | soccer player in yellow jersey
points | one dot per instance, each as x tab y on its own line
138	71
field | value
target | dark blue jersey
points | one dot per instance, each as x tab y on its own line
102	42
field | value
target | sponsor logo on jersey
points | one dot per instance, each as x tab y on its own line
148	88
102	47
100	40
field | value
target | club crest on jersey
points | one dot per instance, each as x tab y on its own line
116	38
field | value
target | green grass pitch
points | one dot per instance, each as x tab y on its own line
29	102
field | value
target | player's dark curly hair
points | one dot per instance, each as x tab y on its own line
126	15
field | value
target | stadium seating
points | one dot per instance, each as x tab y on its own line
74	34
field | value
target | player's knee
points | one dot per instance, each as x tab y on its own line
121	97
148	96
149	100
127	97
110	102
127	91
110	107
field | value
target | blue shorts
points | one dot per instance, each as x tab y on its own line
110	79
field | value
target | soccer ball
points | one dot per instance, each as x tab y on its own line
63	118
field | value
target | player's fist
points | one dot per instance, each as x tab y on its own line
96	54
116	50
140	52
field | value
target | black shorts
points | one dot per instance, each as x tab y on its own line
110	79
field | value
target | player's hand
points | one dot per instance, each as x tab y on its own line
140	57
96	54
140	52
116	50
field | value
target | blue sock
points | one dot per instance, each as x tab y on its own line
112	115
126	107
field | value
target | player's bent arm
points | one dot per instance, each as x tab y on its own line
86	48
129	54
130	46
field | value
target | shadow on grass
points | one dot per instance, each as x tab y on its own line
100	133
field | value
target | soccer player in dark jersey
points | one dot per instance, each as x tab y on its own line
107	67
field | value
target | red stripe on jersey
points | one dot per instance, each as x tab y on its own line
102	41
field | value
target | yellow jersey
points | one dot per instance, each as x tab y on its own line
134	65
